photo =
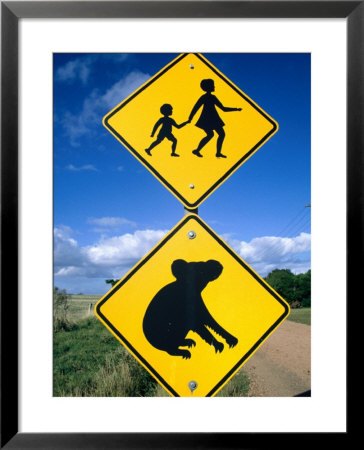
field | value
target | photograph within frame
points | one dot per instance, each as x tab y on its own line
10	175
104	173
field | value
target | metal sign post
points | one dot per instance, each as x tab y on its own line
191	311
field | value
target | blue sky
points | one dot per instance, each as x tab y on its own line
109	210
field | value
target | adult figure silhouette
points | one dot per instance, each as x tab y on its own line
210	120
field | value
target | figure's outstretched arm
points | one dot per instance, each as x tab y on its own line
181	125
195	108
225	108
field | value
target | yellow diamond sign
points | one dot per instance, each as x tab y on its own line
192	311
191	127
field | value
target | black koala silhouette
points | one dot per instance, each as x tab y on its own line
179	308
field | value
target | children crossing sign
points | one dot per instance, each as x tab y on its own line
191	127
192	311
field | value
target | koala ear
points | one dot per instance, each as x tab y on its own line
179	267
214	269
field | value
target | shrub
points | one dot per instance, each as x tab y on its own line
60	310
296	304
293	288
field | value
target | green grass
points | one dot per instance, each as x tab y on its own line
89	362
300	315
79	306
238	386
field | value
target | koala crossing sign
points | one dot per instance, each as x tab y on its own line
196	323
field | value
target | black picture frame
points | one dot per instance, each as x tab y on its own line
11	13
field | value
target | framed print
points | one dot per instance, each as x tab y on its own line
47	177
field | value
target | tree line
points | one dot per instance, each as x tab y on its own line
295	289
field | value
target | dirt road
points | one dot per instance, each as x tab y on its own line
282	365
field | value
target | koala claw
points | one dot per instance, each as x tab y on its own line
190	343
232	341
186	354
219	347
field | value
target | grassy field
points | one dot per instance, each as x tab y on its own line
300	315
79	309
79	306
89	362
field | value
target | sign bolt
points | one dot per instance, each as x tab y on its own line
192	66
192	186
191	234
192	385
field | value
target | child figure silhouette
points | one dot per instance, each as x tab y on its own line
166	129
210	120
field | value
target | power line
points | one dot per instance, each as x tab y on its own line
293	228
292	221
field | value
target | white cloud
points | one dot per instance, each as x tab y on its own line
109	257
123	250
97	104
66	250
270	252
77	69
112	257
112	222
81	168
259	249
